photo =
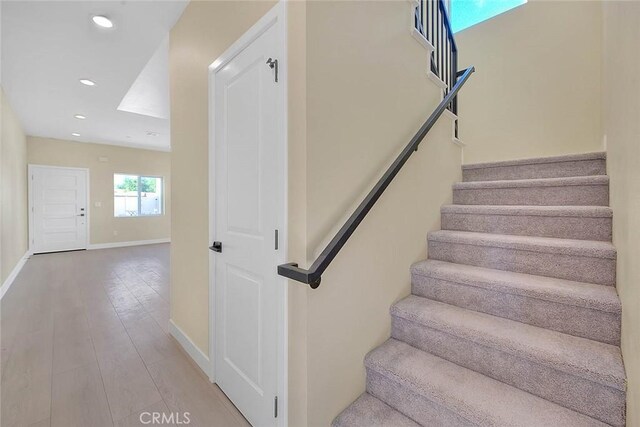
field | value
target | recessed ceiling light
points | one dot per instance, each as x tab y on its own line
80	116
102	21
87	82
75	134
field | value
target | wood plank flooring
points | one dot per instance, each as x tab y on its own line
84	342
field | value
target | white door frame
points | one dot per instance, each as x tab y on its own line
274	17
30	168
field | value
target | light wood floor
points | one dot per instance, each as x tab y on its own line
85	343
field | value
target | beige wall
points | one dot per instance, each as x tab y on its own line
103	226
622	128
356	97
204	32
13	190
367	93
536	91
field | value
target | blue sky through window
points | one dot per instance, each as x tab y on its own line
465	13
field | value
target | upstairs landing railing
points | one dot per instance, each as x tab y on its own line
431	19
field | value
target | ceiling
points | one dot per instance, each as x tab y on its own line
47	46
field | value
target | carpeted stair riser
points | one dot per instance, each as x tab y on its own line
368	411
579	165
583	322
507	220
411	403
593	191
586	397
435	392
551	264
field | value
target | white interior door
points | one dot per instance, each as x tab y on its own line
58	208
248	210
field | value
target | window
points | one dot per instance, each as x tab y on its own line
465	13
135	195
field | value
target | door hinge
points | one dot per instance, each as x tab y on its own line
276	239
275	407
273	64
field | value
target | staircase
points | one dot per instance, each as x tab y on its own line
514	319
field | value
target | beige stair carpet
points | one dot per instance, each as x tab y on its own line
514	319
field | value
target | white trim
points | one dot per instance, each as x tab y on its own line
212	227
422	40
30	168
95	246
275	16
458	142
201	359
14	273
447	113
414	32
437	80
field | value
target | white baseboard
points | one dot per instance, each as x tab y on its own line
126	244
14	273
192	350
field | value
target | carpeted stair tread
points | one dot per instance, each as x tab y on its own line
586	295
579	260
536	182
518	210
545	167
368	411
538	160
565	191
575	308
585	248
587	359
472	396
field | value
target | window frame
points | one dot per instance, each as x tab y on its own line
140	176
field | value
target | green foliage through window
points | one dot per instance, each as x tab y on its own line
135	195
128	184
148	184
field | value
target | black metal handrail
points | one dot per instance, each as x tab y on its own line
313	275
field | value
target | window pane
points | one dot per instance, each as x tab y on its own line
465	13
150	195
125	195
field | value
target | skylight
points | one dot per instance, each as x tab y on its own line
465	13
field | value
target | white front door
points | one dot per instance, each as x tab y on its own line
248	209
58	208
